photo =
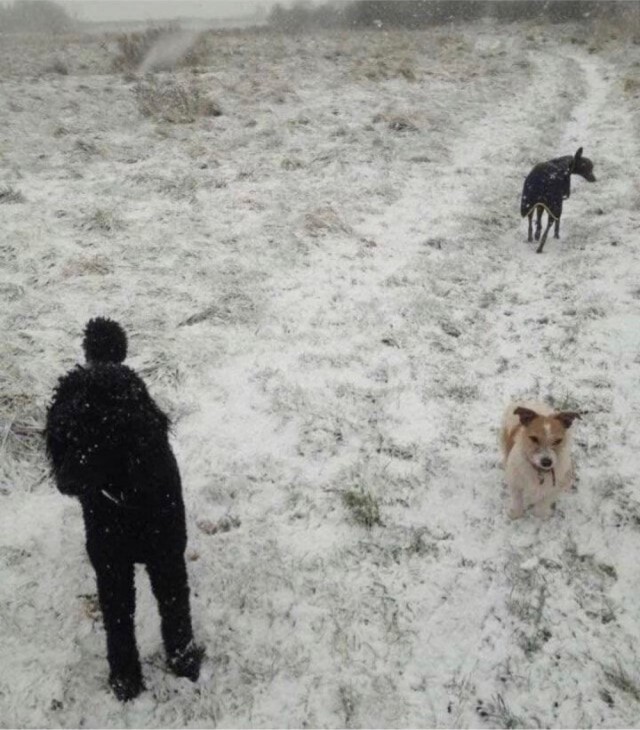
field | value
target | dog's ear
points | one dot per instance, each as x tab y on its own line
526	415
566	418
578	154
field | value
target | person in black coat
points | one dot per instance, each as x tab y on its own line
108	445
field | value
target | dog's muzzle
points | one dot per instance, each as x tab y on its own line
542	473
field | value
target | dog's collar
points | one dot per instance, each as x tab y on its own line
542	473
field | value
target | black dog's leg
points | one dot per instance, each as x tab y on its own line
538	222
530	234
168	575
544	235
556	230
116	592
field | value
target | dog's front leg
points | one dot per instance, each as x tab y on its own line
556	230
543	508
516	509
530	233
116	592
566	482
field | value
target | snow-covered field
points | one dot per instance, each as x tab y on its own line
328	289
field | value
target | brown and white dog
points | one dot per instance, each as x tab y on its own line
536	446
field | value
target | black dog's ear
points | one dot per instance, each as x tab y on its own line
526	415
566	418
578	154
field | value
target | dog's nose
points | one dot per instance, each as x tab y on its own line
545	462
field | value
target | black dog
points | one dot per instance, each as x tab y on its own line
108	444
545	188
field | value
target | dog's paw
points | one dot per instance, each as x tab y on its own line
542	511
187	663
515	513
126	686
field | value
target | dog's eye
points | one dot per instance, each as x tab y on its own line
534	439
557	442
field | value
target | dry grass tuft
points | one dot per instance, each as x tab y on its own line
57	67
175	102
621	680
87	266
103	220
291	163
631	86
11	195
20	425
384	69
232	308
498	714
401	123
364	507
89	148
324	220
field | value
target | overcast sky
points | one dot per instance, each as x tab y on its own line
106	10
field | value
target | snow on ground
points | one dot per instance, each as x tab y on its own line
329	291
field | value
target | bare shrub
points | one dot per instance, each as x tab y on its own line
58	67
175	102
159	48
133	47
385	68
611	27
34	16
182	48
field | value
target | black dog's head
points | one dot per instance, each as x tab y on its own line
102	425
104	341
583	166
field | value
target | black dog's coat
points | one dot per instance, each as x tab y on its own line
546	186
108	445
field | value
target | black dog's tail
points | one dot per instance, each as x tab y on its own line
104	341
